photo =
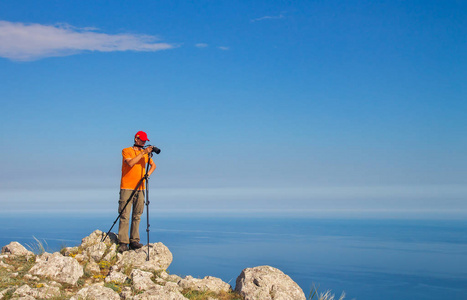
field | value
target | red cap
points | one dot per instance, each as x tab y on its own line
142	136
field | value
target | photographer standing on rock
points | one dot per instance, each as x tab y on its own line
134	163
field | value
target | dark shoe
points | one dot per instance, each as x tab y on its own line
135	245
122	248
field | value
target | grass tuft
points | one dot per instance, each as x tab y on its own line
38	248
323	296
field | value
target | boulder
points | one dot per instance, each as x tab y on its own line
267	283
96	292
160	258
170	278
70	251
208	283
112	253
6	266
57	267
142	280
158	292
42	292
92	268
16	249
116	277
6	291
96	236
96	251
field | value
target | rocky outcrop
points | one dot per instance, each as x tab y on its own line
58	268
96	292
267	283
16	249
159	292
42	292
95	270
160	258
208	283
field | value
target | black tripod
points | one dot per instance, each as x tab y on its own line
144	178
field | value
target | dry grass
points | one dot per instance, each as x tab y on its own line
323	296
197	295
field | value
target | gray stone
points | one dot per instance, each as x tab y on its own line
96	292
6	266
6	291
159	292
80	257
57	267
142	280
116	277
126	293
96	236
92	268
160	258
208	283
30	277
16	249
96	251
267	283
43	292
69	251
112	253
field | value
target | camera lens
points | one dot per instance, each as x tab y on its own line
156	150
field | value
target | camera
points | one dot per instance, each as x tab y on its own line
154	149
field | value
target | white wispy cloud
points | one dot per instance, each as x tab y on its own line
201	45
224	48
281	16
25	42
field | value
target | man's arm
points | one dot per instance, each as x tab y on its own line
133	161
153	167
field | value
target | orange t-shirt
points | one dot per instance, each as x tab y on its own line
132	175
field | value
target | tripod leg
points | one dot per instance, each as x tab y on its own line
147	202
147	215
120	214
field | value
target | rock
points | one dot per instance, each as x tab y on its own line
16	249
96	292
112	253
43	292
30	277
70	251
169	278
142	280
116	277
160	258
96	251
6	266
80	257
208	283
96	237
126	293
159	292
57	267
92	268
6	291
267	283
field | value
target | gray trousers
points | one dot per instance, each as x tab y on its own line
137	204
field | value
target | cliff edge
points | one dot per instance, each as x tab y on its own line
95	270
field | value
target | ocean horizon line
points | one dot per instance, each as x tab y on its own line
419	214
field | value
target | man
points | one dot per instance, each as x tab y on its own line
133	170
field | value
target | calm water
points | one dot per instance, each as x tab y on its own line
368	259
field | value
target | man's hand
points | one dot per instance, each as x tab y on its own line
148	150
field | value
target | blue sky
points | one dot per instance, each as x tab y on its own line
257	106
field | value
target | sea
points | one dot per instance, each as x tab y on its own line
365	258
